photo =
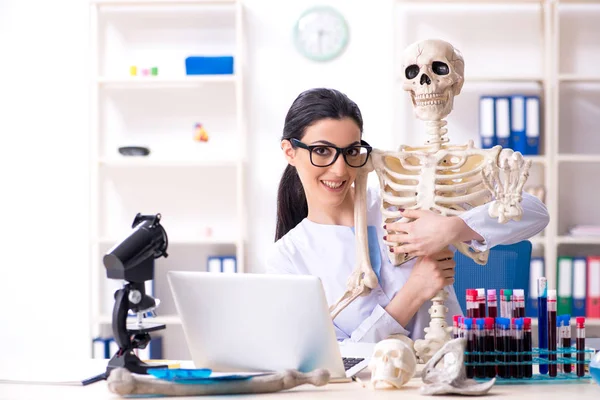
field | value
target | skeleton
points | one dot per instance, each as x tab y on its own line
393	363
124	383
452	378
438	176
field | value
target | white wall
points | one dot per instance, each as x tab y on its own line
45	137
44	178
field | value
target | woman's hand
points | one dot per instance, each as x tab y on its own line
429	275
432	273
428	233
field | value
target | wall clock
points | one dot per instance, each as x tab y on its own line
321	33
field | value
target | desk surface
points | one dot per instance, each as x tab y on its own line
352	390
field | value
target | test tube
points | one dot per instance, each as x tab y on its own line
472	307
505	328
513	347
542	322
552	370
500	347
519	303
481	302
508	294
480	346
470	369
527	348
567	342
490	345
492	303
455	328
580	340
520	345
502	304
559	342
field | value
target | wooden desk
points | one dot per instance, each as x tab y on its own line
344	391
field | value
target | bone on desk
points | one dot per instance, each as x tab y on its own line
346	391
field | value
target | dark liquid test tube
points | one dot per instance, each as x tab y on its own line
542	323
566	341
480	345
552	368
490	370
470	369
527	348
580	343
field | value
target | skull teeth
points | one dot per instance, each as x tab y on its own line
421	96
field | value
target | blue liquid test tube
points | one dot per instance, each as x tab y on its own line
543	322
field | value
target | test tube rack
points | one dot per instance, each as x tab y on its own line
539	356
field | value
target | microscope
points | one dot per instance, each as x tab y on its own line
132	260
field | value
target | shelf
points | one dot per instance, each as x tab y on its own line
162	82
154	163
578	158
578	78
578	240
159	2
536	159
180	241
536	240
164	319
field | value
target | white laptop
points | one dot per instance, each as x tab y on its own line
261	322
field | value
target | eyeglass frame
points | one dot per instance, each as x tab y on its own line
297	143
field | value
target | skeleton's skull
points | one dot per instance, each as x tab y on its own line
393	364
433	75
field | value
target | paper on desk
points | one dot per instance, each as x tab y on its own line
50	372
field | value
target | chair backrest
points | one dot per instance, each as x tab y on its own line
507	268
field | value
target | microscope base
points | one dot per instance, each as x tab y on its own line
131	362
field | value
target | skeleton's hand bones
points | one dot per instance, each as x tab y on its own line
427	234
506	180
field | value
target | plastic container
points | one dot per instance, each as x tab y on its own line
595	367
204	65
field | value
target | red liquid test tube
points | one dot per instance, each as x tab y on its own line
580	340
470	369
492	303
481	302
455	327
472	308
552	368
519	303
490	346
527	348
480	347
566	338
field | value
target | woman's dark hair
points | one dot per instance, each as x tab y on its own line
309	107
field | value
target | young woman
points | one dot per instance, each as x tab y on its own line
315	225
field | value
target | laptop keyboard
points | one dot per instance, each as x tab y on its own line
350	362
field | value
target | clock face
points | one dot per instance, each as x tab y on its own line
321	34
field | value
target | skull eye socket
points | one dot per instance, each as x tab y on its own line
412	71
440	68
394	353
378	354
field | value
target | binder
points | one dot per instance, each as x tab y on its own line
214	264
486	122
229	264
502	121
579	286
536	271
532	125
517	124
100	348
593	287
565	285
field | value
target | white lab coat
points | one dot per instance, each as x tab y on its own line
329	252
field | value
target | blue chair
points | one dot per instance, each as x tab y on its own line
507	268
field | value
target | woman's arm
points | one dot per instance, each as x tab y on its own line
430	232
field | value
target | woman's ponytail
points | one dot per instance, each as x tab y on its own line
292	207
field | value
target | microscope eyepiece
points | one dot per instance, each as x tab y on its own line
127	259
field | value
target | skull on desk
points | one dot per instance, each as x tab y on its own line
393	363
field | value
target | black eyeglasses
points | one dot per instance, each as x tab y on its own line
321	155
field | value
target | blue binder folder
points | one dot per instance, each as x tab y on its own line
502	121
517	124
532	125
487	128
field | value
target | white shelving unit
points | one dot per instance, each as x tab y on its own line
180	176
544	47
